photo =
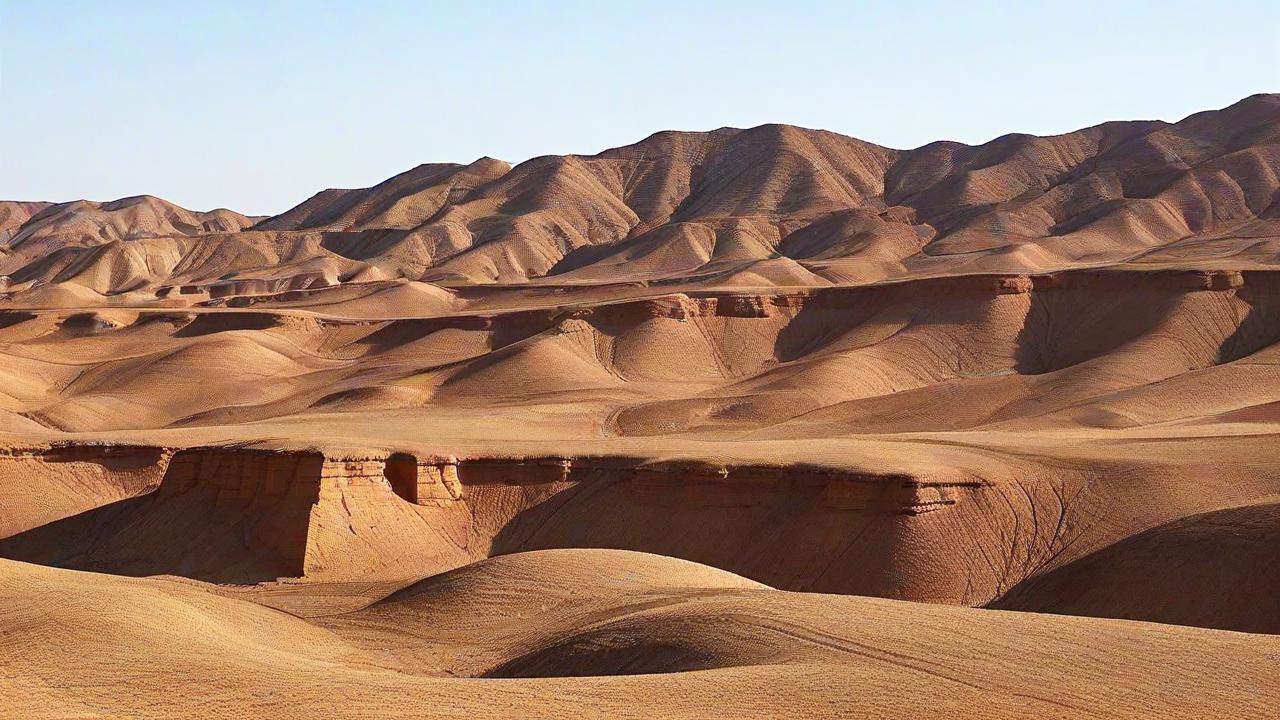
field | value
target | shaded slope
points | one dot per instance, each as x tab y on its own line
193	526
42	485
402	202
1215	569
14	213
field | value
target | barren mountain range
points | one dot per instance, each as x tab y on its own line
764	422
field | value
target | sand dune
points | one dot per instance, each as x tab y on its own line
672	430
635	613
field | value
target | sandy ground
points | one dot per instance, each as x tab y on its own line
678	640
766	422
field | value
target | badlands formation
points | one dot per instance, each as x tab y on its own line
767	422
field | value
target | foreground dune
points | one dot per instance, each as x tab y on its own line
663	638
673	430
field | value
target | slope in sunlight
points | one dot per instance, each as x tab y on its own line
672	430
771	205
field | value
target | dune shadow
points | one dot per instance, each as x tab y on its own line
11	318
1216	570
210	323
197	523
784	534
1093	316
826	316
1260	327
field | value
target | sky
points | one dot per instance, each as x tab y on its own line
257	105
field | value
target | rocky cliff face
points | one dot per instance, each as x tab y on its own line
46	483
241	515
245	515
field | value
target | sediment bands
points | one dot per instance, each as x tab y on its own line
244	515
241	515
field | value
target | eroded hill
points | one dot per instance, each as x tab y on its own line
772	205
451	420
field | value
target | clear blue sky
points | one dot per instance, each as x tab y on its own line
257	105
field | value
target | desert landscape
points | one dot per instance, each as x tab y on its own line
766	422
